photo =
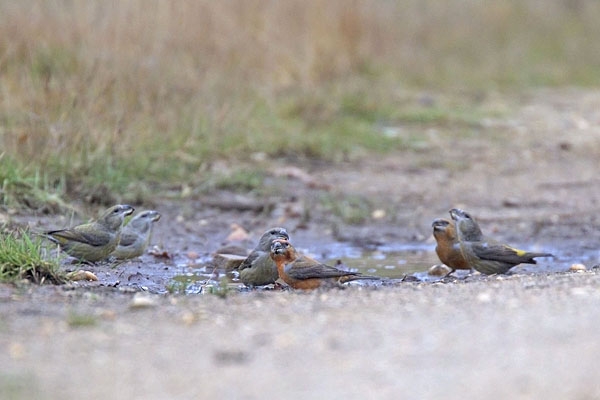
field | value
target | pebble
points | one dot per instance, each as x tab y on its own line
378	214
439	270
81	275
484	297
577	267
141	300
228	262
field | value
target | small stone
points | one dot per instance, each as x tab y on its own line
228	262
141	300
188	318
108	314
81	275
16	350
579	292
511	202
186	191
439	270
484	297
378	214
577	267
237	233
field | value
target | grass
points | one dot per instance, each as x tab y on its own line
244	180
352	210
21	257
30	189
91	97
77	320
18	385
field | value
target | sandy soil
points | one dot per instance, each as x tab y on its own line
531	179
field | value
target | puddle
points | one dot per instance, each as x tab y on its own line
392	262
386	262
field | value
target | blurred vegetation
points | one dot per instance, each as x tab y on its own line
21	257
118	95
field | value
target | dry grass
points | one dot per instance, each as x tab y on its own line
118	91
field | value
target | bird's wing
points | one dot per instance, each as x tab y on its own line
305	268
98	238
252	257
502	253
127	239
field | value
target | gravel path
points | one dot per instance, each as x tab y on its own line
521	336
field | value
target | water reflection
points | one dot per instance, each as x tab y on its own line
392	262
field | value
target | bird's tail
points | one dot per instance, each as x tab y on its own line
46	235
531	257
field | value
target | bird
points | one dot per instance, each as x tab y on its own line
258	268
135	235
95	240
448	247
303	272
484	254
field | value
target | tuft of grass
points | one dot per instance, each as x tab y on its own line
352	210
21	258
176	287
14	386
20	188
222	289
240	180
76	320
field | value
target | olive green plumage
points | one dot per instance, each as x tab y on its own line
135	236
258	268
95	240
484	254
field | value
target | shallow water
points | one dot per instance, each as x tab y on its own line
392	262
387	262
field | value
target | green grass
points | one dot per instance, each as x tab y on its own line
19	187
77	320
21	257
352	210
91	104
19	386
243	180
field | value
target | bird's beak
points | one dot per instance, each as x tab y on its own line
438	224
277	248
456	213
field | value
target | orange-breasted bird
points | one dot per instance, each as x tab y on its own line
258	268
95	240
302	272
487	255
448	247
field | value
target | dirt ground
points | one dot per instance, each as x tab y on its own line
530	177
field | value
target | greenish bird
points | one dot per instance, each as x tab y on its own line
258	268
135	235
484	254
93	241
